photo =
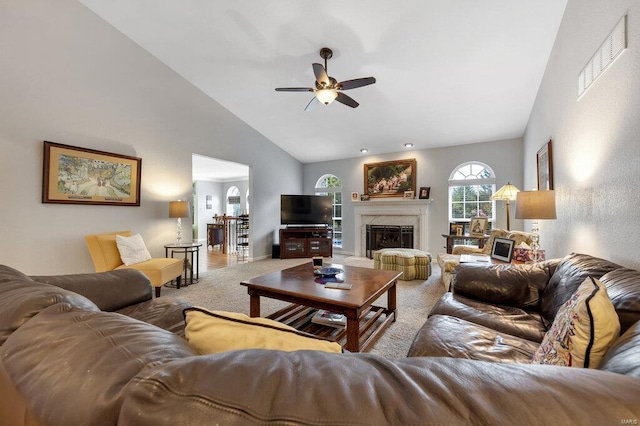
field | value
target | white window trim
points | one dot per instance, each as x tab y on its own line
330	190
471	182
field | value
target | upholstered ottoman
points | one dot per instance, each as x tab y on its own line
413	263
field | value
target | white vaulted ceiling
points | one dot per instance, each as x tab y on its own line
448	72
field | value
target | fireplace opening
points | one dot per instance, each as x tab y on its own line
388	236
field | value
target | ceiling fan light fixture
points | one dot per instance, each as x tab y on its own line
326	96
326	87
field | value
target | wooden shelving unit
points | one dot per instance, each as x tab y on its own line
242	236
306	242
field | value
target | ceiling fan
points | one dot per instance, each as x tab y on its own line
327	88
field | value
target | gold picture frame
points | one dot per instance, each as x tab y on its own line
390	178
456	228
74	175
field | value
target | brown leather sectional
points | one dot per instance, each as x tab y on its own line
96	349
500	313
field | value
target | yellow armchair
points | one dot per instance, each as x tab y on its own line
106	257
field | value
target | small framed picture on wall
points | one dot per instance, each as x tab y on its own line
544	160
355	196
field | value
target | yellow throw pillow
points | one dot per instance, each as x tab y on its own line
217	331
583	330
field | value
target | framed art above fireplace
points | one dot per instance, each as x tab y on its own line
390	178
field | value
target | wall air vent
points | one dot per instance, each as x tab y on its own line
613	45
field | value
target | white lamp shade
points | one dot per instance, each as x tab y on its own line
536	205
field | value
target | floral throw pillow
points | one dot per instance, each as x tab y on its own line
582	331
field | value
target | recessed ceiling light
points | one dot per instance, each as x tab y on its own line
408	145
363	150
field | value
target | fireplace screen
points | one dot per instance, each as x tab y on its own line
388	236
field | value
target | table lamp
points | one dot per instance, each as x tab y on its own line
507	193
535	205
178	209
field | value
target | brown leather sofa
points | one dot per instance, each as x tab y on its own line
64	359
500	313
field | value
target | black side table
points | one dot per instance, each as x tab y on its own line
186	248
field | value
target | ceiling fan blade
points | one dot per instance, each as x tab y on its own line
347	100
358	82
294	89
312	104
321	75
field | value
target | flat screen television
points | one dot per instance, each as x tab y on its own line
307	210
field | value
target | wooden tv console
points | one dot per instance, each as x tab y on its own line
306	242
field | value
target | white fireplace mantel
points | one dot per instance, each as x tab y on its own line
391	212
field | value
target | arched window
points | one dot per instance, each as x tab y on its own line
233	201
247	201
331	185
471	186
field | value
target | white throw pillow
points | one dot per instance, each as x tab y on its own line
132	249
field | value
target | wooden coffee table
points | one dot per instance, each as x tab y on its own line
299	286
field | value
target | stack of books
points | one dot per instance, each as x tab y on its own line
332	319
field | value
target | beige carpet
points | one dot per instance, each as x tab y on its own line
220	289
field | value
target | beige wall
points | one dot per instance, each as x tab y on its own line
596	139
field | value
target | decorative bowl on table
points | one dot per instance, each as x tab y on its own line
330	272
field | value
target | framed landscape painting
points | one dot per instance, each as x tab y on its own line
390	178
73	175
